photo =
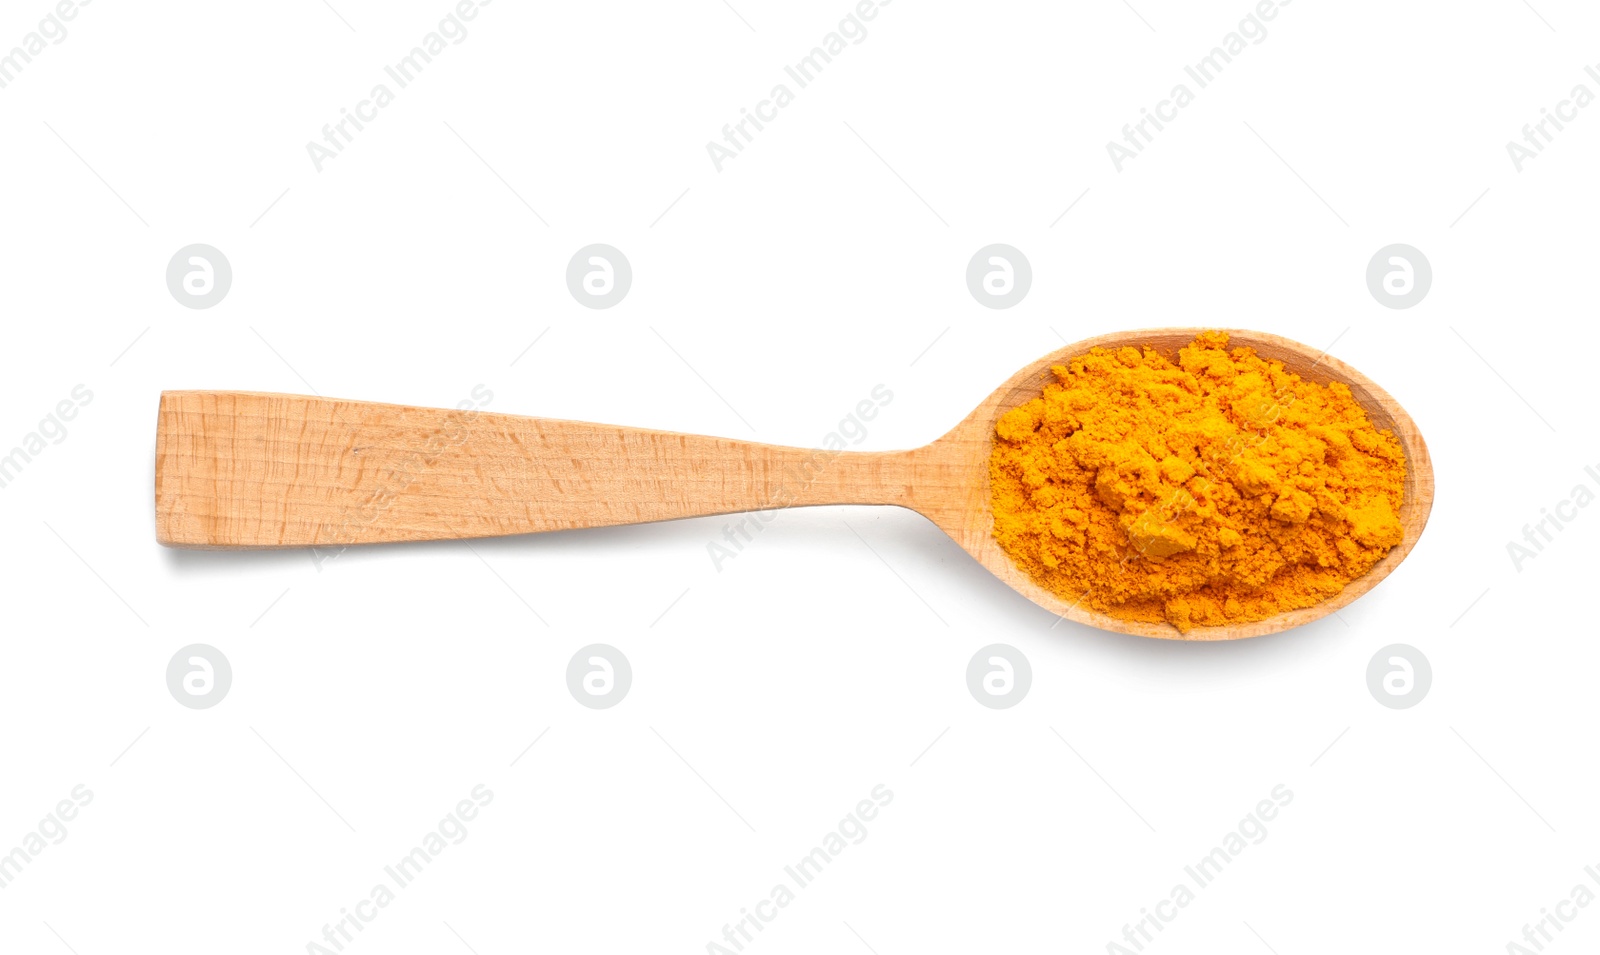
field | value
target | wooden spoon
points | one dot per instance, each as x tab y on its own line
252	470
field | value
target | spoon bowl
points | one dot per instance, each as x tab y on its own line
237	470
969	518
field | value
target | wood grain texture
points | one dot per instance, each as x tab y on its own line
252	470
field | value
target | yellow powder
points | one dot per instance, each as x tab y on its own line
1220	489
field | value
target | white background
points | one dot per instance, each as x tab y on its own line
769	698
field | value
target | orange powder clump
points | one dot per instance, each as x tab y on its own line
1221	489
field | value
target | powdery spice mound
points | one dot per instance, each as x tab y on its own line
1219	490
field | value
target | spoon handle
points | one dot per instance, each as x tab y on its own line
253	470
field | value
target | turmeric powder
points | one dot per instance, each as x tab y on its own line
1221	489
